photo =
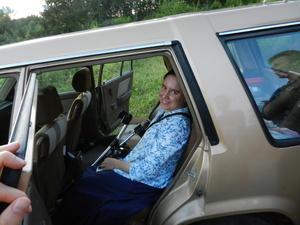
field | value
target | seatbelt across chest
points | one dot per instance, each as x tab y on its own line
167	116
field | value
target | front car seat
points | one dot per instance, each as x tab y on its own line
81	83
49	164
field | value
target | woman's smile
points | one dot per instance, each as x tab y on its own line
170	95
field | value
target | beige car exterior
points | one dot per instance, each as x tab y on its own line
234	166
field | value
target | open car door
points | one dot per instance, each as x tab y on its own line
114	94
22	130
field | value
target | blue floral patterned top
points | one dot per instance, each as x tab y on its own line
154	159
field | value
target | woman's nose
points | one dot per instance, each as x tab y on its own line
164	94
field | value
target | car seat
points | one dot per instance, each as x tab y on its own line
81	83
49	140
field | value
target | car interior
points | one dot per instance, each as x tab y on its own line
75	124
6	103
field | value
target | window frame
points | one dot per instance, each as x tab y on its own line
262	31
171	49
19	74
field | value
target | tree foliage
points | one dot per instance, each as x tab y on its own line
168	8
63	16
19	30
5	25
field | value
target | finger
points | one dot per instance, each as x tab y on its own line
15	212
8	159
103	166
9	194
11	147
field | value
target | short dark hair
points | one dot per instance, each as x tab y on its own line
286	61
170	72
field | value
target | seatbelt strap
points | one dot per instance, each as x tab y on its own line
167	116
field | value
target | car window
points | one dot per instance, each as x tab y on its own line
127	66
112	70
2	80
130	85
61	79
3	91
7	92
270	67
148	76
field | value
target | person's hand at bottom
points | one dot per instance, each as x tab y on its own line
19	203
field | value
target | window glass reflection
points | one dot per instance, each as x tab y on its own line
270	66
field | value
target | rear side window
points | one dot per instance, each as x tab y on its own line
112	70
269	65
7	93
61	79
7	89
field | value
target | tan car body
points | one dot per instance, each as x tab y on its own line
243	173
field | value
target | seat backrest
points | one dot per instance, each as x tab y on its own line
188	148
49	164
81	83
40	214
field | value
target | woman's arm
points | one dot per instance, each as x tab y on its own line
111	163
162	148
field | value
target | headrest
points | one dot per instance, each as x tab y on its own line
82	80
49	105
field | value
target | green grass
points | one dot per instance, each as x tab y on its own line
2	80
148	74
62	79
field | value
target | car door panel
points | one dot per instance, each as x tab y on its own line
115	95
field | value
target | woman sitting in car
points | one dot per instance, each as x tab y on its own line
126	186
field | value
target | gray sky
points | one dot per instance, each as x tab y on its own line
23	8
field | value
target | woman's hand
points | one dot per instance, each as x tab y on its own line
111	163
19	202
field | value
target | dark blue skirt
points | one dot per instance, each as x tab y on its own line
105	198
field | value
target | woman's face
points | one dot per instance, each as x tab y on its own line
170	95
